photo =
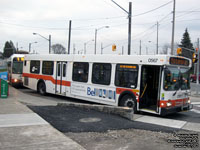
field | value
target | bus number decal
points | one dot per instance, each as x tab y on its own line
152	60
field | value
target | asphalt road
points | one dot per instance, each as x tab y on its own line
100	131
189	116
70	119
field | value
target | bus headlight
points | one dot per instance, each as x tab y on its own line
189	101
162	104
15	80
169	104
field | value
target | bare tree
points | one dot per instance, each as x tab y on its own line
58	49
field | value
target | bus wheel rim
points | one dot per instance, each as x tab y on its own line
130	103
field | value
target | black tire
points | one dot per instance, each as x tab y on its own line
42	88
129	101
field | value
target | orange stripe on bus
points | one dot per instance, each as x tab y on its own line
134	91
49	78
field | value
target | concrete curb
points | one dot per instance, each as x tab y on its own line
124	112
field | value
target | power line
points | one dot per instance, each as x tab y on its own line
139	34
188	20
164	17
190	11
20	25
106	18
186	11
152	9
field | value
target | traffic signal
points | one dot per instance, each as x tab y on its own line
194	57
114	47
179	51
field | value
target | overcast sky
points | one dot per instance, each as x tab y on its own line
20	18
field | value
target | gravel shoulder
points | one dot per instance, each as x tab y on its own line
126	140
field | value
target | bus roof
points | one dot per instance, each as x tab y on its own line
125	59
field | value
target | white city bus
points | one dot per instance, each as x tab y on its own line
15	66
157	84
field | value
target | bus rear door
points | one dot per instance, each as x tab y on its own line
61	75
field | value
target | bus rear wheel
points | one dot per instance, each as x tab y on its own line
42	88
129	101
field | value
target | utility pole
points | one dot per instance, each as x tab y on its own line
101	48
95	42
17	46
129	27
122	50
146	50
157	39
74	49
29	47
69	39
173	28
129	23
197	79
140	48
49	44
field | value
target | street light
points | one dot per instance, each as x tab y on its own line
86	44
30	46
95	44
48	39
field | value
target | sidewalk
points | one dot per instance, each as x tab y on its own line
22	129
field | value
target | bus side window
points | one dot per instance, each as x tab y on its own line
47	67
80	71
126	75
64	70
35	66
101	73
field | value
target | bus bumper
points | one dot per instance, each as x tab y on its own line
170	110
16	82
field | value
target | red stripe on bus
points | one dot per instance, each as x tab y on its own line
49	78
120	90
134	91
174	103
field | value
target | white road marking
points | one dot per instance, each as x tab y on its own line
196	111
195	103
162	121
12	120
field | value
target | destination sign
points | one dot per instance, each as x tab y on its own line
179	61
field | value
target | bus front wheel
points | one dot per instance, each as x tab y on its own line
129	101
42	88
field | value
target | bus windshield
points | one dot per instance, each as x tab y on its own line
185	78
175	79
17	67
